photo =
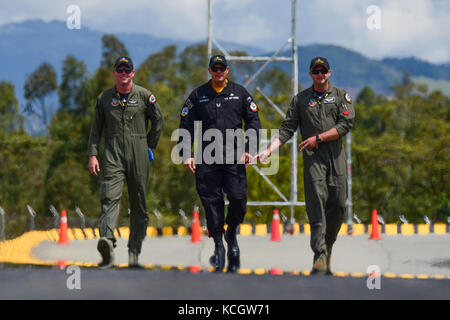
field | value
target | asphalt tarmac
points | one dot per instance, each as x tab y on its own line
411	267
131	284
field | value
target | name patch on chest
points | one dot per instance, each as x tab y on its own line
133	102
203	99
231	97
329	100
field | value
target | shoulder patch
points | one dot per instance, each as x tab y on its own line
184	111
347	98
152	99
189	103
253	107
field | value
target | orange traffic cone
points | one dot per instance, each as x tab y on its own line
375	232
275	231
63	237
276	271
195	269
61	264
196	232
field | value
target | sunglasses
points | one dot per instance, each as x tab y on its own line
322	71
127	70
221	68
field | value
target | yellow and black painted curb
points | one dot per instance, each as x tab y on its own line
18	251
265	229
355	229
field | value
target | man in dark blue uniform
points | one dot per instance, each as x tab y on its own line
221	106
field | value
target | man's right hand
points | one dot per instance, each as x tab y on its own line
94	166
190	164
263	155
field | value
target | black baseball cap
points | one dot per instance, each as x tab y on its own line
124	60
319	61
218	59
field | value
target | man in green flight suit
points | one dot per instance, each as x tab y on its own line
325	115
123	113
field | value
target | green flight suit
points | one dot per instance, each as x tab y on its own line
127	139
325	167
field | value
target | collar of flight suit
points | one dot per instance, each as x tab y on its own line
226	90
329	90
222	88
115	92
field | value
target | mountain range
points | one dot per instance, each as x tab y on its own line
23	46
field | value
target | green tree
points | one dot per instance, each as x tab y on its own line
68	187
112	48
72	87
404	88
22	177
38	86
367	96
401	155
192	67
10	117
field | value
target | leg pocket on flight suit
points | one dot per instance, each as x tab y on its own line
200	182
338	193
316	196
208	181
236	181
111	187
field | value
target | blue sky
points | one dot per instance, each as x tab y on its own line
419	28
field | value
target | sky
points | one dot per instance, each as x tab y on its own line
375	28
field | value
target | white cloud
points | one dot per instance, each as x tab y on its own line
408	28
418	28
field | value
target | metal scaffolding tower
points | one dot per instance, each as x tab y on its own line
292	202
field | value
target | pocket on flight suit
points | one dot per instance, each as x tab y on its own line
236	181
331	110
339	194
139	158
111	147
208	181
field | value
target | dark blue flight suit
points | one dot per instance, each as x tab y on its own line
221	111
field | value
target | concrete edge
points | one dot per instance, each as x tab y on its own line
18	251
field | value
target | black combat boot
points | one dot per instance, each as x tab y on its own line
133	260
233	254
217	260
329	249
319	264
106	248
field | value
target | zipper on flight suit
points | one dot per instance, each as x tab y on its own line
123	104
322	110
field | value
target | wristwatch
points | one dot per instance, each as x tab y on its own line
318	139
